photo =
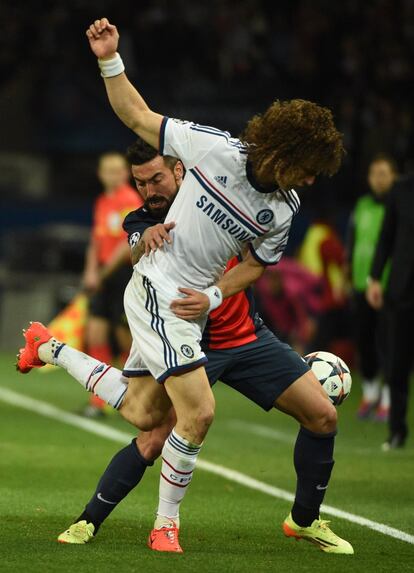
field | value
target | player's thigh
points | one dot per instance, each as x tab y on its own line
219	362
146	403
308	403
97	330
263	369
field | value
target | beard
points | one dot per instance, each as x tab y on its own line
158	205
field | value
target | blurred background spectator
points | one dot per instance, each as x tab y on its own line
322	253
395	243
289	299
108	268
363	233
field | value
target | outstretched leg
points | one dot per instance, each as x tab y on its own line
140	400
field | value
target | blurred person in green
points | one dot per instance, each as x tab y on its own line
364	229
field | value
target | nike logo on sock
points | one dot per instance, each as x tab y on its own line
99	496
321	487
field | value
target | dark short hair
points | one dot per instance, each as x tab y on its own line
387	158
140	152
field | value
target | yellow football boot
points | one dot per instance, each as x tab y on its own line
319	534
78	533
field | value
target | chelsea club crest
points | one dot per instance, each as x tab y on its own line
264	216
187	351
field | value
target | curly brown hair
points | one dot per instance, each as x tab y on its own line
293	138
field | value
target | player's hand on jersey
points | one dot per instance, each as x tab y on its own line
154	237
374	294
103	38
192	306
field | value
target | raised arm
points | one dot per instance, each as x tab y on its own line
125	100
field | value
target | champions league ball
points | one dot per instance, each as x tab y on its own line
332	373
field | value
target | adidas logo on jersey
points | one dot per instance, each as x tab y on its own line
222	179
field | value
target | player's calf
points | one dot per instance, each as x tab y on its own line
306	401
151	443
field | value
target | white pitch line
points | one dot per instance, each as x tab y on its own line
262	431
49	411
290	438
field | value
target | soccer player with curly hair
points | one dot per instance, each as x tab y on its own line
236	196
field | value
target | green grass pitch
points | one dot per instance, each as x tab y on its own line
49	469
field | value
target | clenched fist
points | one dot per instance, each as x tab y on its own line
103	38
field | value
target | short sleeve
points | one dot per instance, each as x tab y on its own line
188	141
136	223
268	250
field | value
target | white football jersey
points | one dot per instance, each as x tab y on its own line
219	209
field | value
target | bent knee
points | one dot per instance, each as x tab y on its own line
196	424
324	420
205	417
329	417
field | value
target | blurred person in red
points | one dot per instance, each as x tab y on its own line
289	298
323	254
363	235
108	266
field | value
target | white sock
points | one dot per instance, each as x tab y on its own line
385	396
95	376
178	462
371	390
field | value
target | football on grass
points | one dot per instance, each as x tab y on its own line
332	373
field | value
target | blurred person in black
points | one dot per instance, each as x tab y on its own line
363	233
396	242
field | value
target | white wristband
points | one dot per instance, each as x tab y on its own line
111	68
215	296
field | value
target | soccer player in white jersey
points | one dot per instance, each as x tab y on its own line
241	353
236	193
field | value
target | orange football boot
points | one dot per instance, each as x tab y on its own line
28	356
165	539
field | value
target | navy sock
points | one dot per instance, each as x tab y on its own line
313	459
123	473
